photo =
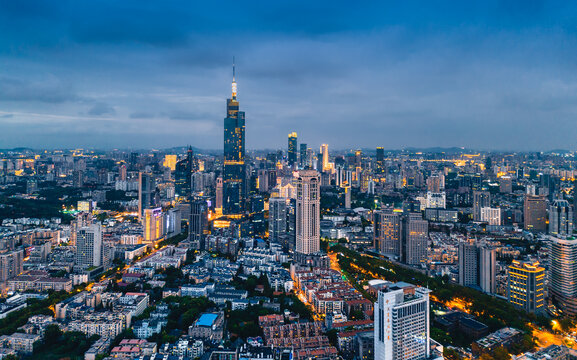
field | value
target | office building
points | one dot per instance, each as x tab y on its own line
292	149
198	223
277	221
560	218
477	266
234	172
324	157
563	274
308	212
526	286
414	239
535	213
304	161
153	223
146	190
402	323
387	232
481	199
506	185
89	246
380	159
491	216
436	200
182	174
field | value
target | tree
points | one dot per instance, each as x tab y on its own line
52	334
501	353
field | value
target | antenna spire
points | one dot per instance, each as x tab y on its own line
233	80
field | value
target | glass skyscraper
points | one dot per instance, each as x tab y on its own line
234	174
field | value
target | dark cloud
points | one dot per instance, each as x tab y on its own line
48	91
100	109
394	74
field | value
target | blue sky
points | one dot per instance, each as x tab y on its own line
155	74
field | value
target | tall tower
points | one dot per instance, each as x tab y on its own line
88	246
563	273
387	232
308	212
402	323
234	174
560	218
292	149
325	157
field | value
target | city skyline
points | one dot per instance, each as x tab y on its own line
462	75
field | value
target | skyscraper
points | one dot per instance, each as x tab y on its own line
414	239
277	221
304	163
481	199
308	212
88	246
153	225
560	218
292	149
535	212
198	223
183	172
325	157
387	232
477	266
402	323
563	274
145	192
380	159
234	174
526	286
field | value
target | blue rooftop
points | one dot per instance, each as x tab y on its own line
206	319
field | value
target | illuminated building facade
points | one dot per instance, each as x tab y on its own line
292	149
308	212
234	174
402	323
153	225
526	286
563	273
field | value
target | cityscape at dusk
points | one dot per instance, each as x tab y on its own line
288	181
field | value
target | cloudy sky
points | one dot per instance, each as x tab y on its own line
155	74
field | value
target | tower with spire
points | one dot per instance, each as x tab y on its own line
234	171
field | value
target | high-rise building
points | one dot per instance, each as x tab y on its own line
491	216
563	273
11	264
477	266
153	223
88	246
380	159
535	213
487	269
234	174
183	172
324	158
304	163
146	189
122	172
277	221
414	239
198	223
308	212
560	218
506	184
526	286
169	161
218	195
387	232
402	324
481	199
292	149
